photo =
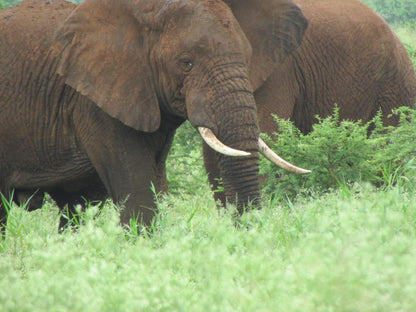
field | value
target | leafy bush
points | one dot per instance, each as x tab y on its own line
184	167
412	53
395	11
411	49
341	153
407	36
8	3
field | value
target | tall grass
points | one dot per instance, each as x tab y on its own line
350	251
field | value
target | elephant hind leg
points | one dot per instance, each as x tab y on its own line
30	199
3	220
398	85
5	193
68	201
392	98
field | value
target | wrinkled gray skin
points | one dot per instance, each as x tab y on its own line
91	96
348	56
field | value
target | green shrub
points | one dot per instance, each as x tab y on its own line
411	49
341	153
184	167
395	151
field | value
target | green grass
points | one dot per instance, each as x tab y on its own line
349	250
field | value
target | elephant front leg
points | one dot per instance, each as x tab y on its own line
129	183
126	165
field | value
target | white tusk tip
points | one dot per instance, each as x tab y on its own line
209	137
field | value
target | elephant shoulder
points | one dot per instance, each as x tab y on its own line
343	24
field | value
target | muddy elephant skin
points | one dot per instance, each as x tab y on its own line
348	56
91	96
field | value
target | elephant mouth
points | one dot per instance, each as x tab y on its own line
210	138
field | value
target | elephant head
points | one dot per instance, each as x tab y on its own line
146	61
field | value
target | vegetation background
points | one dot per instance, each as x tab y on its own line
340	239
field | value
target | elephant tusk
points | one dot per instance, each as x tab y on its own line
210	138
277	160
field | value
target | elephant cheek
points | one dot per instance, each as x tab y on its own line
198	109
177	108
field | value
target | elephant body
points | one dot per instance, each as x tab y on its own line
55	140
91	96
348	56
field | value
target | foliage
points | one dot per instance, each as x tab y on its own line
184	167
341	152
395	11
9	3
412	53
407	36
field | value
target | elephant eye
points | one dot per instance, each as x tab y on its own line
186	65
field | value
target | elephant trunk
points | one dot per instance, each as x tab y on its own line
241	174
228	109
240	131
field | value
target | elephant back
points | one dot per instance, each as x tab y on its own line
31	25
350	56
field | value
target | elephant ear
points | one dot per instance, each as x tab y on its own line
274	28
101	52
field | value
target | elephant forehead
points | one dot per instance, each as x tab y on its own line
204	15
220	15
210	35
214	43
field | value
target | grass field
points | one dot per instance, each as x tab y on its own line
350	249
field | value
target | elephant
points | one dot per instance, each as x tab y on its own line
349	56
91	96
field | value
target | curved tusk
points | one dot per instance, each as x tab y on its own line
279	161
210	138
